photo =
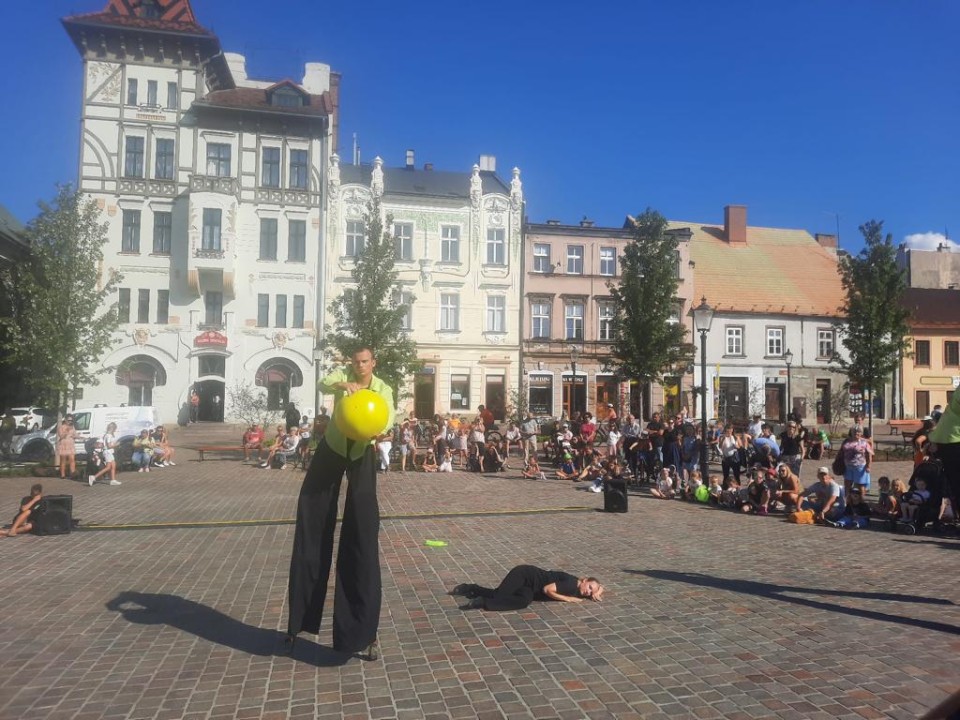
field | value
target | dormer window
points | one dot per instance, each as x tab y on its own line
149	9
286	97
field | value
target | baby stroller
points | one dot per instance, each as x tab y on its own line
95	461
931	471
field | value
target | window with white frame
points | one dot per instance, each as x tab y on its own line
608	261
573	320
299	169
541	258
133	157
404	299
540	316
270	167
676	312
605	326
496	246
496	313
354	244
450	243
774	342
575	259
825	343
152	93
164	162
449	311
297	241
734	340
218	159
403	240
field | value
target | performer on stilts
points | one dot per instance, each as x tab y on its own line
357	597
526	583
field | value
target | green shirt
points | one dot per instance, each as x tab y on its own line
336	440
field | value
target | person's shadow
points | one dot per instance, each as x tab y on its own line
778	592
216	627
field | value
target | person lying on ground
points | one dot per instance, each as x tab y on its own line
526	583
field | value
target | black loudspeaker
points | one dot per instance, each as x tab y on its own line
53	515
615	496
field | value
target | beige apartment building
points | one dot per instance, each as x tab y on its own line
567	316
931	374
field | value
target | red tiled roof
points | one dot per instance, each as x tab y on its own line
777	271
256	99
173	16
932	307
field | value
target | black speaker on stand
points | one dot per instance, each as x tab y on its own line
53	515
615	496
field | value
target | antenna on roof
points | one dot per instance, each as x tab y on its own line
837	216
356	150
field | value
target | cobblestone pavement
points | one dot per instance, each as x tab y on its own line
708	614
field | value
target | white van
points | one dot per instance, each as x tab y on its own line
92	422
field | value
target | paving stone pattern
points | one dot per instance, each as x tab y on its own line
708	614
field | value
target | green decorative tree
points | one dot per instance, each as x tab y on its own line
372	313
646	344
877	329
62	322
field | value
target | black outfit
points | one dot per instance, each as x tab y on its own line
292	418
654	427
523	585
358	594
23	506
789	445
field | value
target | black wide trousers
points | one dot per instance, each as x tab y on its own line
357	598
515	592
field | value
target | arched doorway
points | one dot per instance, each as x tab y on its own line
140	374
278	376
212	370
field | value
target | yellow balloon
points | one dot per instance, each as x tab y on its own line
362	415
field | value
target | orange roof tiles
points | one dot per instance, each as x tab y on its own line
778	271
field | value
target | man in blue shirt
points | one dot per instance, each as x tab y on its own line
767	448
356	605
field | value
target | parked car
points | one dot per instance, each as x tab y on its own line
92	423
30	419
38	445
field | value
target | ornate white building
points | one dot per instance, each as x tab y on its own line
211	184
458	244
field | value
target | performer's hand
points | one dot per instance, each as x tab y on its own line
351	387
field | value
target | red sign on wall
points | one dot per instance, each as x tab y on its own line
210	338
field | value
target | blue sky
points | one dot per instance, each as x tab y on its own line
799	110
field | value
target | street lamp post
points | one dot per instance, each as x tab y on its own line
788	359
702	320
574	354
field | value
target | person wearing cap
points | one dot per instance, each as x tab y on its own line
826	497
791	447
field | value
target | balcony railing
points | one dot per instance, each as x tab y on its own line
214	184
208	253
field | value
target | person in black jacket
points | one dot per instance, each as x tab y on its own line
292	417
526	583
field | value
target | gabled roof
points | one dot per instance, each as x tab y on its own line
932	307
434	183
777	271
256	99
174	16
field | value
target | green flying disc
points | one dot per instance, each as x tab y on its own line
435	543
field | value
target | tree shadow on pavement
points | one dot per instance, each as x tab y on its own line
777	592
216	627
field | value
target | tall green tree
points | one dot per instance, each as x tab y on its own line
646	344
876	334
62	322
371	313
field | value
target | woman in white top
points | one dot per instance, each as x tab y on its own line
730	454
109	458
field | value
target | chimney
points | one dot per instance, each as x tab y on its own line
316	78
735	224
410	160
428	166
827	240
488	163
586	222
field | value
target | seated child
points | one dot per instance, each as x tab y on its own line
21	522
566	471
532	471
730	497
430	462
756	492
690	491
664	486
446	464
890	498
856	514
716	490
914	499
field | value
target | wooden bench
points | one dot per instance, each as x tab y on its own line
218	449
